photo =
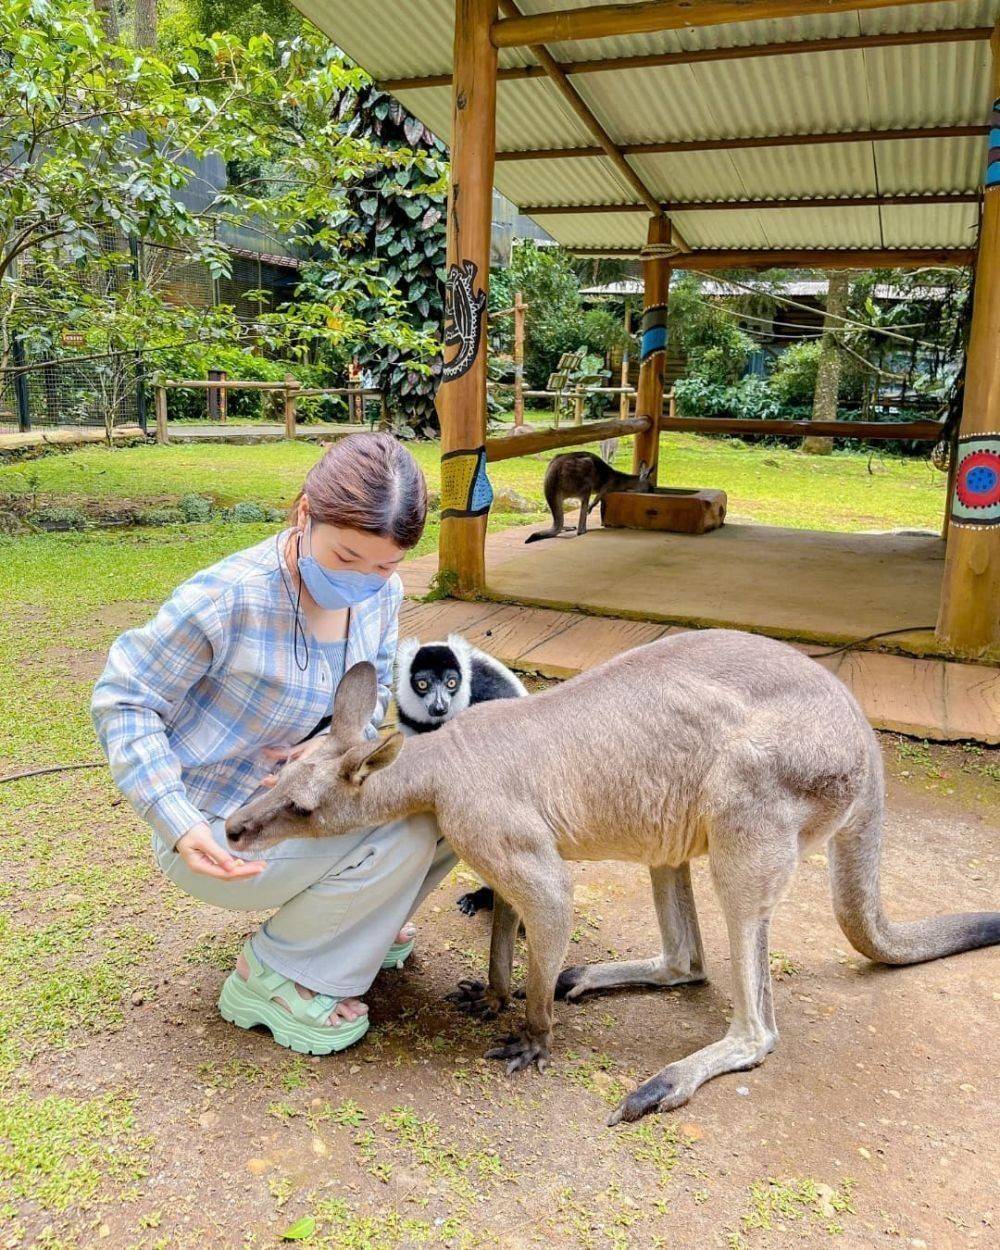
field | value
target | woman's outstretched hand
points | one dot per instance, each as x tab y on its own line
200	851
282	755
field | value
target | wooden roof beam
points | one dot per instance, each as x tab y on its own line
704	206
654	60
754	141
792	258
584	113
610	20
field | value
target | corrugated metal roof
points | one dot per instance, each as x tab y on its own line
921	85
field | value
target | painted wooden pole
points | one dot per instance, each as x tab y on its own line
969	616
466	494
623	402
161	415
653	344
518	358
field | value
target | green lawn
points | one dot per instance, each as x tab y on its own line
777	486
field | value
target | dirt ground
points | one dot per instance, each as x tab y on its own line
873	1124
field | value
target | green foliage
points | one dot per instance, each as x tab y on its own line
84	173
717	349
59	518
793	378
750	398
394	218
195	508
556	321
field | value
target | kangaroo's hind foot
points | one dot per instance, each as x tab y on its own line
681	960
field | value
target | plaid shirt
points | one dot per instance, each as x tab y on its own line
186	703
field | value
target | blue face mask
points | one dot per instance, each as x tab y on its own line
335	589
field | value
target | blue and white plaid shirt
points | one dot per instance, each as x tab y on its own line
187	702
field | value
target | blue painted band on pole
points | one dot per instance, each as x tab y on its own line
654	331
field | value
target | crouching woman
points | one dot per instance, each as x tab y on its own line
236	673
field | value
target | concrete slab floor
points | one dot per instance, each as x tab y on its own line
786	582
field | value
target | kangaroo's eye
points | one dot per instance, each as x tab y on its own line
421	686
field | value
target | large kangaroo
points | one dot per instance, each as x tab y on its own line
584	476
710	743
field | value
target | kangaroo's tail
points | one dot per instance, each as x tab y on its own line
854	863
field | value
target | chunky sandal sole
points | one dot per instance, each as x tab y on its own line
239	1005
398	954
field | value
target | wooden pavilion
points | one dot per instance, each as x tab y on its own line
709	134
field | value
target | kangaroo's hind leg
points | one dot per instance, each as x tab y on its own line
681	959
581	525
751	870
487	1001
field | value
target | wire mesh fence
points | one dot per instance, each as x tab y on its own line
68	387
106	392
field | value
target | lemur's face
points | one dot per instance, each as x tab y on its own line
435	687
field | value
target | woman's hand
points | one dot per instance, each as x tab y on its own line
285	754
200	851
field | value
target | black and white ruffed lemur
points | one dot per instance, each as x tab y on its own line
437	680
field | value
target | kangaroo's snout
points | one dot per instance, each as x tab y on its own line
238	832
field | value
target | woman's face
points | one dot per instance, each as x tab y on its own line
349	550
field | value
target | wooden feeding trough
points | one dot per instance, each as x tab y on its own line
677	509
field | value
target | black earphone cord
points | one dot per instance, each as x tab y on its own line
298	630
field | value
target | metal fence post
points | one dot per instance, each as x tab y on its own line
21	386
140	364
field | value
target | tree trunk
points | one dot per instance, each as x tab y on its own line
145	23
830	360
108	10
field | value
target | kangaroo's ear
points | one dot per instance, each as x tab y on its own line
369	757
355	700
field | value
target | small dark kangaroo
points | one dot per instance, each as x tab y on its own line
584	476
713	743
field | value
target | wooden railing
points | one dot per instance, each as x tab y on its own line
919	431
571	436
290	389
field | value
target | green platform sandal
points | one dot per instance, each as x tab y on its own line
301	1028
398	954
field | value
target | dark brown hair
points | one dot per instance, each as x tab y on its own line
368	482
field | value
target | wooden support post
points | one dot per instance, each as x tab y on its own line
291	403
969	616
461	399
653	345
161	415
518	359
623	402
578	397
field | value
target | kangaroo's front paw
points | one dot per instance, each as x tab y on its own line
473	998
520	1051
476	900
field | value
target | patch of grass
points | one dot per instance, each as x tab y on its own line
774	1201
73	949
597	1074
215	950
57	1153
782	966
335	1225
775	485
655	1144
